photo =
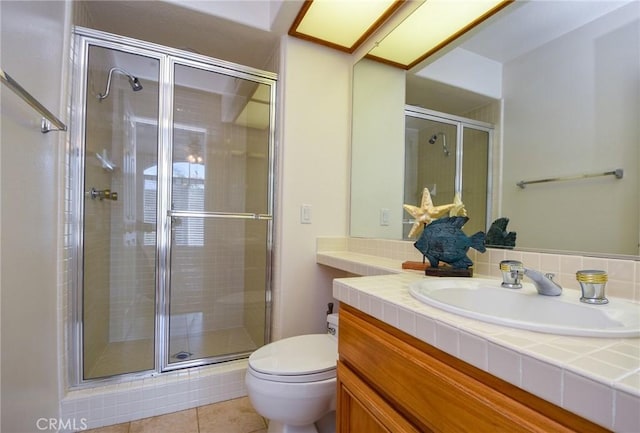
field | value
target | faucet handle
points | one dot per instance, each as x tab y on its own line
512	273
592	284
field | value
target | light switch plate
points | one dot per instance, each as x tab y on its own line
384	217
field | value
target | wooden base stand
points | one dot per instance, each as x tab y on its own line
440	271
448	272
416	266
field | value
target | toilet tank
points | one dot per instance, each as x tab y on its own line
332	324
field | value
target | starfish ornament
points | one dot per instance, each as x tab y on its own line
427	212
458	208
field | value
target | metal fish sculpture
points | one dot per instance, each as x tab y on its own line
443	240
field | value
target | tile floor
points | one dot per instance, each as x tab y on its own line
233	416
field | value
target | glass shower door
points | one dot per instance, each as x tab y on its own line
119	244
220	216
171	202
475	177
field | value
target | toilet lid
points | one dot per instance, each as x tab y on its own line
296	356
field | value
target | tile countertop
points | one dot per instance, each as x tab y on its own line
596	378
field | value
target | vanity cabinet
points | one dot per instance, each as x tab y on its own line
389	381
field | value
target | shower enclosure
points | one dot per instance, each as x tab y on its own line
448	154
171	201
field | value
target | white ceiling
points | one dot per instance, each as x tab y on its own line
260	14
516	30
247	31
527	25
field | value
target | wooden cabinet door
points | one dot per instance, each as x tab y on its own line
361	409
407	385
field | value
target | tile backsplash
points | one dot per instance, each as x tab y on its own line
624	274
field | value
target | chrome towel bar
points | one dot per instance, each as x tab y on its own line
618	173
49	118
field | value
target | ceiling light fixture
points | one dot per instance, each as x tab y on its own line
347	24
429	28
342	24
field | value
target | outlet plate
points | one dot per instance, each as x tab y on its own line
305	214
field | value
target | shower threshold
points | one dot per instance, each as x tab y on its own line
122	357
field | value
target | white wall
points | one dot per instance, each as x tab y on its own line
548	134
34	50
377	175
315	122
467	70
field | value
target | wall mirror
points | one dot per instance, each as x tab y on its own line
560	83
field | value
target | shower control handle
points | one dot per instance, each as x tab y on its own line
104	194
110	195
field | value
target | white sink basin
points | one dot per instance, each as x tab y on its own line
485	299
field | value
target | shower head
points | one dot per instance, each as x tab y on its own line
133	82
434	138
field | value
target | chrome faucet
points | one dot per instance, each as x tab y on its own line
513	270
544	282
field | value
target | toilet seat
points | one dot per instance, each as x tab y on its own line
304	358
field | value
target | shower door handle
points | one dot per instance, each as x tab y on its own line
190	214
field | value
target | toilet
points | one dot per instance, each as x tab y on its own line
292	382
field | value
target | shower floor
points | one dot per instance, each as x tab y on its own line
137	355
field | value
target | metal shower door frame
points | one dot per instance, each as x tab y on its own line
168	58
166	213
461	123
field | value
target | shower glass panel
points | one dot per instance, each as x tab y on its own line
220	214
475	177
119	256
217	290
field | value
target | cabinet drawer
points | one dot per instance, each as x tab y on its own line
361	410
429	388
